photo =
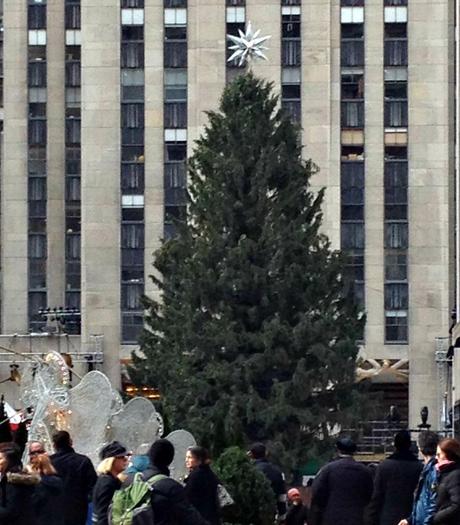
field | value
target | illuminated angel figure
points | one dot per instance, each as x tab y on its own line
247	46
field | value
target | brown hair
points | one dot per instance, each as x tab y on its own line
42	465
451	448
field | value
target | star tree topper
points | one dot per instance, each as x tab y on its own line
248	45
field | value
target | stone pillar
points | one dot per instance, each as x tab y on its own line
374	179
14	226
321	104
154	136
430	193
206	63
55	223
100	174
266	16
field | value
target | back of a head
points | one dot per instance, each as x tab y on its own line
161	453
258	451
43	466
428	442
451	448
402	441
62	440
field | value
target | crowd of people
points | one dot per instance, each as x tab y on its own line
57	489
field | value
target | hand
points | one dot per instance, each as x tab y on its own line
403	522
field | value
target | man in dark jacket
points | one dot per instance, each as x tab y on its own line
394	485
78	475
258	453
342	489
169	502
425	495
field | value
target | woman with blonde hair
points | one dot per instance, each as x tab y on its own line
48	496
114	460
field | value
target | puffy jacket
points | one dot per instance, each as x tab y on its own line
16	491
448	500
425	496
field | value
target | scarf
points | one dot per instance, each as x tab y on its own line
442	464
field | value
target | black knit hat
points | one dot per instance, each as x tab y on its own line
346	445
112	450
161	453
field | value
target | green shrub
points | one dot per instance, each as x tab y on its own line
255	502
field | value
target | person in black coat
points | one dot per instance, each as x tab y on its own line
169	502
114	460
48	498
201	485
341	490
258	453
448	499
396	479
78	475
297	513
16	488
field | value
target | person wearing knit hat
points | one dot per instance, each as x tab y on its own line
297	513
169	502
114	460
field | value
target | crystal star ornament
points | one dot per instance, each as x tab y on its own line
247	46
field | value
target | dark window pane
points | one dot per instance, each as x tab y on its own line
396	235
352	53
352	31
293	109
72	16
37	74
395	30
132	33
132	178
132	235
36	16
396	90
395	266
291	26
352	236
396	296
352	115
72	74
396	53
290	53
131	296
175	54
175	115
396	327
132	55
352	85
131	327
290	91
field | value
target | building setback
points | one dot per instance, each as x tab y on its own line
103	100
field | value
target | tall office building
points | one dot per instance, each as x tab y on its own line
103	100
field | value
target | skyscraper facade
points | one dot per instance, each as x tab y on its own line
103	100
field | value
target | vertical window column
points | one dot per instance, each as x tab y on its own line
396	172
132	168
37	187
352	143
72	154
236	22
291	49
175	113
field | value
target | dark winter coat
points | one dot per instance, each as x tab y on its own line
201	491
297	515
79	477
276	479
16	491
340	493
395	481
103	492
48	501
169	502
425	495
448	500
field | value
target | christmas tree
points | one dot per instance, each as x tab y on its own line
253	337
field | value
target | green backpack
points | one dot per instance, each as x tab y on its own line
131	505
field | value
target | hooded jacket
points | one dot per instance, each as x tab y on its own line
16	491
